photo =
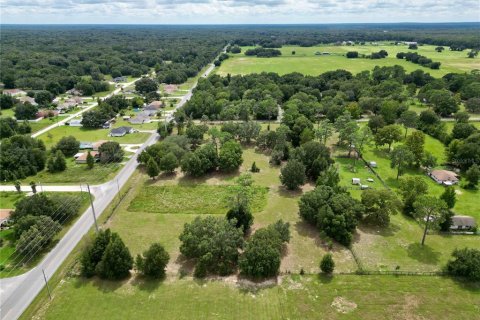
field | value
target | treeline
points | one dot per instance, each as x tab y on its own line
61	58
263	52
418	59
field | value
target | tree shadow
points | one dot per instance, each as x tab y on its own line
424	254
187	266
146	283
388	231
467	284
104	286
304	229
285	193
325	278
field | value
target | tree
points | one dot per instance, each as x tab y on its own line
146	85
153	261
90	160
36	238
111	152
352	54
327	265
242	215
168	163
461	116
466	263
22	156
462	130
57	162
379	206
430	211
43	98
449	196
411	187
93	252
116	261
152	168
409	119
6	101
472	175
25	111
400	158
33	185
388	135
195	134
443	102
68	145
248	131
415	143
376	122
254	168
214	243
324	131
293	174
473	105
230	156
18	186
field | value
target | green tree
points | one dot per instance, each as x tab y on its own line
411	187
400	158
116	260
380	205
327	265
324	131
254	168
153	261
168	163
146	85
388	135
409	119
90	160
214	243
293	174
472	175
152	168
57	162
18	186
111	152
449	196
25	111
68	145
93	252
465	263
242	215
33	185
429	211
230	156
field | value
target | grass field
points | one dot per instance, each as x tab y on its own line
89	135
308	297
8	199
306	62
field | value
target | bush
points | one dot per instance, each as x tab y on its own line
153	261
293	174
254	168
116	261
57	162
111	152
466	263
93	252
242	215
230	157
327	265
68	145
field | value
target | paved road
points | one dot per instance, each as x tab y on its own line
17	293
73	116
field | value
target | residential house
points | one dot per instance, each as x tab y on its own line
444	177
154	105
81	158
140	119
119	79
5	216
74	92
96	145
121	131
85	145
14	92
462	223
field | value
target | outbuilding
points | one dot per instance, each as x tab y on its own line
444	177
356	181
462	223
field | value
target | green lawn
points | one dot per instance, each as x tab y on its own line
306	62
6	113
308	297
8	199
11	260
89	135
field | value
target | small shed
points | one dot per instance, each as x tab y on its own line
356	181
364	186
462	223
372	164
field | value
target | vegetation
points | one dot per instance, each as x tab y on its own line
466	263
327	265
153	261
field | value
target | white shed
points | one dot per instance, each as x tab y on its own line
373	164
355	180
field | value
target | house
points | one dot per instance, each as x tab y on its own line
85	145
444	177
410	43
74	92
462	223
96	145
119	79
355	180
107	125
5	216
372	164
74	123
82	158
14	92
140	119
121	131
65	106
28	99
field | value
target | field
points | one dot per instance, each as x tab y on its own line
8	199
308	297
306	62
89	135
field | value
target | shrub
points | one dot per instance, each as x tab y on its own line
293	174
153	261
116	260
466	263
327	265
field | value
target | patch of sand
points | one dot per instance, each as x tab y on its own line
342	305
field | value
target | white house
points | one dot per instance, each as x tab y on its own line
444	177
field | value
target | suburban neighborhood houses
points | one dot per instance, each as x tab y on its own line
243	171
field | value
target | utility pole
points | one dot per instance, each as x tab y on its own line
46	282
93	209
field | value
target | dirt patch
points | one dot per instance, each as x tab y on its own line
170	88
342	305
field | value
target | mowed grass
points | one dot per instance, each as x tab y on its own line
306	62
51	137
308	297
8	199
192	199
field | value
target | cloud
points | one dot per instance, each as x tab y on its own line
233	11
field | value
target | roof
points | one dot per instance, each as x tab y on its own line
13	91
28	99
444	175
463	221
155	104
75	121
86	145
98	143
140	118
5	214
83	156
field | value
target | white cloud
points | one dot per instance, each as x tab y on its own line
231	11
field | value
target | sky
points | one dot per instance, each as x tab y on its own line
235	12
